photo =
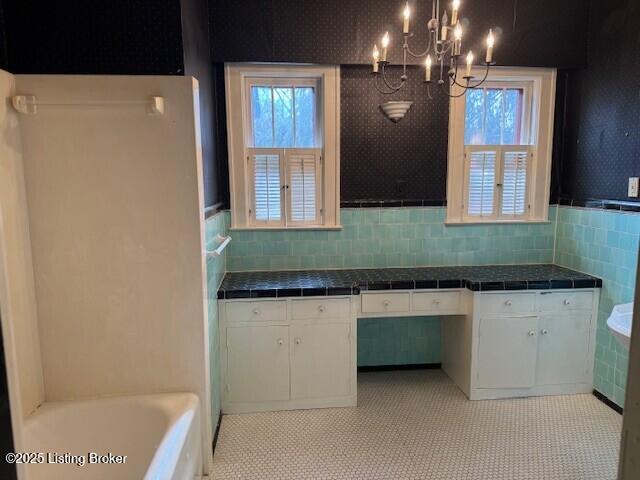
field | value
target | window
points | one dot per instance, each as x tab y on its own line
500	148
283	137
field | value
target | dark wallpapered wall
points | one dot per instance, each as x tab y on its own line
603	136
380	159
534	32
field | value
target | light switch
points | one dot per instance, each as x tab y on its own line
633	187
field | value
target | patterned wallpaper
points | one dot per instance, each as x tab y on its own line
604	110
115	37
380	159
343	31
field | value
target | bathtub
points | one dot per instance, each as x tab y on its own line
159	435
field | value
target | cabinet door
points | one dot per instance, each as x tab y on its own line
507	350
257	363
321	360
563	348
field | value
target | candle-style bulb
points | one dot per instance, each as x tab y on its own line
457	35
376	57
385	45
490	42
406	14
427	67
454	11
445	29
385	40
457	32
469	63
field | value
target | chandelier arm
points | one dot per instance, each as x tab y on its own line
383	92
484	79
389	86
418	55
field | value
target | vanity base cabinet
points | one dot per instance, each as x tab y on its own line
287	354
528	344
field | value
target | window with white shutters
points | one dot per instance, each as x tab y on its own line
500	144
283	127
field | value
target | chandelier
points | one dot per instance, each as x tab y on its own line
445	42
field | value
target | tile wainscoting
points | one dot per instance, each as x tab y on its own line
603	243
392	237
216	268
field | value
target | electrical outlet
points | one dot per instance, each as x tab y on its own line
633	187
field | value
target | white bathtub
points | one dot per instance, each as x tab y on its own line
159	434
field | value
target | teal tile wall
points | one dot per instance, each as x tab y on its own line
216	267
399	341
603	243
392	237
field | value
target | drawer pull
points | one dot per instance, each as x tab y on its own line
280	341
531	333
256	311
544	331
567	301
436	302
321	308
298	341
386	303
508	303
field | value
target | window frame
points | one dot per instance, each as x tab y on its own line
239	78
538	112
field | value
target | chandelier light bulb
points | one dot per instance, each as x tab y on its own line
385	45
454	11
490	42
406	14
469	63
457	33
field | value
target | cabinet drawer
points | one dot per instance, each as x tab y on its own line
385	302
565	301
436	302
320	308
256	311
507	303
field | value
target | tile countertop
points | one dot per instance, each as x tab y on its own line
351	282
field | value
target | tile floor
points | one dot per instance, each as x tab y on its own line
418	425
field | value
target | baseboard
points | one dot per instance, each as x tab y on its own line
215	434
409	366
608	402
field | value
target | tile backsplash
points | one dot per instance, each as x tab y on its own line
392	237
605	244
216	268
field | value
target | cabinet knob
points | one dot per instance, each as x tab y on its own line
531	333
386	303
256	311
280	341
508	303
298	341
544	331
321	308
567	301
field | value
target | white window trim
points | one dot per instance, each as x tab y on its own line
237	77
542	108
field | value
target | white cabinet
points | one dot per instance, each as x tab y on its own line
563	348
507	351
285	354
320	361
257	363
523	344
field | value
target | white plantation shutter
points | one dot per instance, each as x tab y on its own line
303	187
481	181
514	183
267	186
